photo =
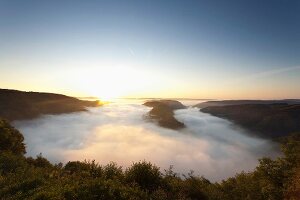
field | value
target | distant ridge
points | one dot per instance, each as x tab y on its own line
156	98
18	105
268	120
242	102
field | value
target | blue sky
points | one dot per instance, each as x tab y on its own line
197	49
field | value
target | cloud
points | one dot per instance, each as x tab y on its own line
210	146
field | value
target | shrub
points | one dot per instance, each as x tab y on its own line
145	175
10	163
84	168
40	161
113	171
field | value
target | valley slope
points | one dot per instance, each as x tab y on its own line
18	105
266	120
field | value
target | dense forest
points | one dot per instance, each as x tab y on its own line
243	102
267	120
162	112
17	105
24	177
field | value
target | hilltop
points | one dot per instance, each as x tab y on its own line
163	112
242	102
19	105
267	120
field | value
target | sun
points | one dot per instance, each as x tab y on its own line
109	91
109	83
107	96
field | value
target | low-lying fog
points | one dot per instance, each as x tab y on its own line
209	146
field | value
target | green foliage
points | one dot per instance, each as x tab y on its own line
270	174
272	179
145	175
40	161
194	186
10	163
36	178
11	139
291	149
242	186
113	171
91	169
293	187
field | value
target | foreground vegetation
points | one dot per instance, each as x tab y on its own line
36	178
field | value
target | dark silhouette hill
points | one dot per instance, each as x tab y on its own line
242	102
163	112
18	105
267	120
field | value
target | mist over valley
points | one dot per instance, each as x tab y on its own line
118	132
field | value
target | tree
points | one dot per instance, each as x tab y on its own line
11	139
144	174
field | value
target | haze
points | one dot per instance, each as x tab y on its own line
118	132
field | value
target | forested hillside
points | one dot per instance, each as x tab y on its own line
16	105
163	112
267	120
243	102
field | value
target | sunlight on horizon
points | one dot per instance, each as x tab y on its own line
170	51
112	83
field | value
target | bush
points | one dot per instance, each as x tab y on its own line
84	168
194	186
40	161
113	171
107	190
10	163
145	175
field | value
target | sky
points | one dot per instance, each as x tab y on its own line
168	49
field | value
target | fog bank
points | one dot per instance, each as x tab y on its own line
117	132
